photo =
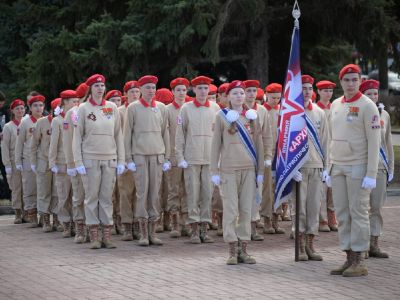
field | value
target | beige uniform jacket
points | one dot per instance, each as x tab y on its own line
173	110
40	143
146	130
386	141
56	151
8	141
194	133
273	115
98	133
23	144
355	132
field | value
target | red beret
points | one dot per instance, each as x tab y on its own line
131	85
251	83
16	102
179	81
37	98
123	99
325	84
260	94
94	79
201	80
81	90
68	94
273	88
369	84
314	96
56	102
307	79
164	95
235	84
222	88
113	93
213	90
147	79
351	68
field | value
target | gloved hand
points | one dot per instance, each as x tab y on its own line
81	170
368	183
297	176
54	169
326	178
166	166
390	177
8	170
71	172
19	167
131	166
33	168
120	169
267	163
260	179
216	179
183	164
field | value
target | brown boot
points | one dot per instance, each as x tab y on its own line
67	230
80	232
255	236
127	235
118	225
358	267
195	236
136	230
94	237
347	264
25	216
268	229
160	224
332	222
259	224
204	237
309	247
286	212
374	250
323	226
185	229
40	222
57	226
18	216
275	224
302	251
175	232
33	219
114	230
167	221
243	257
107	243
233	254
144	232
220	230
153	239
46	223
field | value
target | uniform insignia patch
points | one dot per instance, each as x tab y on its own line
375	122
31	130
107	112
65	125
74	118
92	116
179	120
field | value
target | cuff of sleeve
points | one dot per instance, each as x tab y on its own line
371	174
78	163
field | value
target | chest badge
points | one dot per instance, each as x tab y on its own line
107	112
92	117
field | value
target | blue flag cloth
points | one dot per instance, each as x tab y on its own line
292	143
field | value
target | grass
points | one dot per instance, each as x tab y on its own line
396	179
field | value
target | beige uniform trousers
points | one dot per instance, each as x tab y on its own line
268	192
163	196
64	191
148	180
15	182
78	198
216	201
198	189
28	187
309	201
377	199
326	203
351	205
47	200
115	200
237	192
177	200
127	196
99	184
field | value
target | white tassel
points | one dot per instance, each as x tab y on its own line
232	116
58	110
381	106
251	114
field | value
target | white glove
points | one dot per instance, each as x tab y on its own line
183	164
260	179
166	166
71	172
273	175
131	166
33	168
368	183
216	180
8	170
54	169
297	176
19	167
120	169
390	177
81	170
328	181
267	163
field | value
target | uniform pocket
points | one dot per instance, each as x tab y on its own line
340	148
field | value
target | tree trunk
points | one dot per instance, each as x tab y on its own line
383	70
257	64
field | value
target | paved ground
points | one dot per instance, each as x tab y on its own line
35	265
